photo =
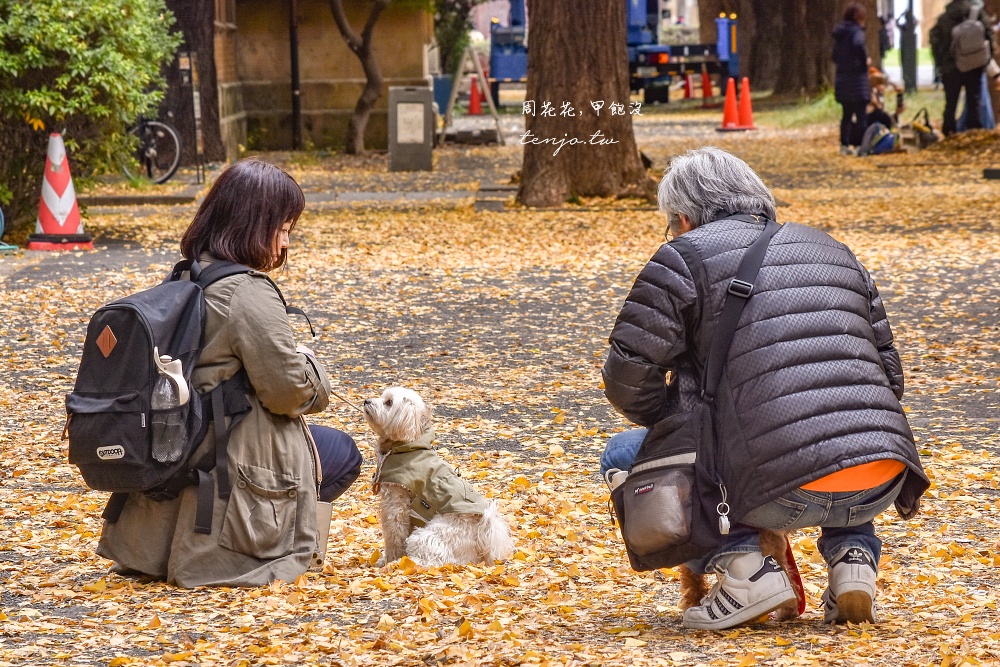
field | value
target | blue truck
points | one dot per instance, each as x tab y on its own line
652	66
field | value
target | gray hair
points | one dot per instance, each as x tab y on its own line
707	182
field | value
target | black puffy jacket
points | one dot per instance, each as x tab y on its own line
813	372
850	55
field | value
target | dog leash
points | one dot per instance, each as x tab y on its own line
346	401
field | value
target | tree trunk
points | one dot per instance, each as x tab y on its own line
806	43
361	45
785	45
196	22
579	140
708	11
759	58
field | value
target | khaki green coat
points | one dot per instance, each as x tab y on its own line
267	528
436	486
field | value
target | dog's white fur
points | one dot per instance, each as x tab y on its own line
400	415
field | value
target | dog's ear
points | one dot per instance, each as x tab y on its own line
425	418
412	421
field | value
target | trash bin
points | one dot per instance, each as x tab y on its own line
411	128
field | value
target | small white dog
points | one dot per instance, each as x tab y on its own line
426	511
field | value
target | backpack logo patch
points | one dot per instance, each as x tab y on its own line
645	488
111	453
106	341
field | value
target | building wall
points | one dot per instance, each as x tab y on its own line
232	115
254	65
482	15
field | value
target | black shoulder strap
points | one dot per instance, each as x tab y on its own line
686	249
216	271
740	289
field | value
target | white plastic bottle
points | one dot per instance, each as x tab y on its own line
168	423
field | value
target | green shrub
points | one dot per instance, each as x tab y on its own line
85	68
451	30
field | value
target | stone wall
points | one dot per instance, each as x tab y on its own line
254	66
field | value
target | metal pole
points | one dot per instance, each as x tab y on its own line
293	39
908	48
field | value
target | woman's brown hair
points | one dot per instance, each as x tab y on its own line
240	217
856	13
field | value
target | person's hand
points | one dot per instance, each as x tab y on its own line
304	350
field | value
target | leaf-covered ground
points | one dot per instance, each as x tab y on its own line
500	320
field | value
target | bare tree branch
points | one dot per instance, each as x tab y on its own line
361	45
353	40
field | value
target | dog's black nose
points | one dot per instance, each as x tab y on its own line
367	401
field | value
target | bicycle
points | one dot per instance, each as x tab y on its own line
158	152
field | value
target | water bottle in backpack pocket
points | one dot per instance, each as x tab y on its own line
130	416
170	395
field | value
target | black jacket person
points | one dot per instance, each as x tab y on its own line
815	378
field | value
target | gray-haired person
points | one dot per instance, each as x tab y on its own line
814	377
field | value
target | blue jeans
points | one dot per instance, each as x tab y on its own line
339	458
621	450
845	518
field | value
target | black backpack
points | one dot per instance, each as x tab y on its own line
110	411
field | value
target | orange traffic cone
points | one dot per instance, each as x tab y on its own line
746	109
730	116
688	92
706	89
475	104
58	226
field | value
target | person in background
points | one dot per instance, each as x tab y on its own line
884	36
877	112
952	78
851	86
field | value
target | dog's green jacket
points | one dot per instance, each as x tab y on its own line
437	487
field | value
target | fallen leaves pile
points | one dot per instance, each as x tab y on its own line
983	144
500	320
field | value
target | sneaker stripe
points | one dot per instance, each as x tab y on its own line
725	610
730	599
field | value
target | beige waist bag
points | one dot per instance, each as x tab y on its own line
324	511
324	516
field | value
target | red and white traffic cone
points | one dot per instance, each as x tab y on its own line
59	226
688	86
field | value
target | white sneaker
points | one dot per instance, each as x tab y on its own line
850	595
848	150
749	586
